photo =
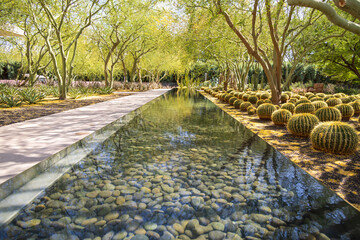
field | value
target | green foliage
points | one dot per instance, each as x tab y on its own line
346	110
334	137
265	110
281	117
9	97
305	108
104	90
301	124
328	114
31	95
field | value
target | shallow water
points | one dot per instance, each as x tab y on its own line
185	169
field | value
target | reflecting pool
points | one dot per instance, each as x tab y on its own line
185	169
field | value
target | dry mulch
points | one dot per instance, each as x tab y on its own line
49	106
338	172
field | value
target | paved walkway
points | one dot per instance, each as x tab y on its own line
24	144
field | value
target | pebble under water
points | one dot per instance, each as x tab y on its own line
184	169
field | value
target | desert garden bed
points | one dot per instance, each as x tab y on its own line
341	173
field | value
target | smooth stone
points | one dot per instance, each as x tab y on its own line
111	216
265	209
260	218
108	236
100	223
149	226
120	235
167	188
105	194
59	236
140	237
39	207
55	196
276	222
89	221
140	231
196	202
216	235
145	190
132	225
29	224
322	236
218	226
92	194
153	235
167	236
178	228
120	200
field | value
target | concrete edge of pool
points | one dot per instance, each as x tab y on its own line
20	190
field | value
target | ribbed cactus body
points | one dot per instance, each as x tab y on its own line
304	108
265	110
245	97
319	104
301	101
288	106
227	97
332	102
232	100
259	102
284	98
244	106
302	124
265	96
281	117
334	137
356	107
326	114
346	110
237	103
251	110
314	99
253	99
345	100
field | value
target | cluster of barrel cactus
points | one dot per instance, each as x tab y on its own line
316	115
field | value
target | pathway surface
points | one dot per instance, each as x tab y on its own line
24	144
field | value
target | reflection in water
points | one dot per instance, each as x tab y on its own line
184	169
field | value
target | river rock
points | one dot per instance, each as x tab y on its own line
216	235
140	237
150	226
120	235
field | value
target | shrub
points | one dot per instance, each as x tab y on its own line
302	124
331	102
104	90
305	108
253	99
356	107
237	103
346	110
288	106
319	104
8	100
265	110
301	101
244	106
281	117
31	96
232	100
334	137
328	114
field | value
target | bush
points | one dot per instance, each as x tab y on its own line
334	137
328	114
305	108
281	117
331	102
10	100
31	96
302	124
288	106
346	110
265	110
